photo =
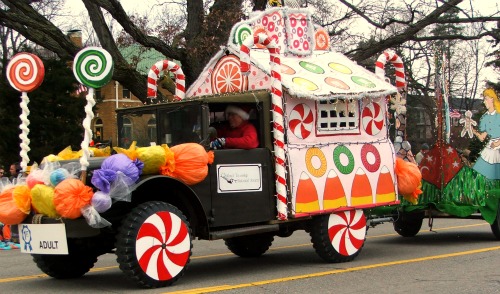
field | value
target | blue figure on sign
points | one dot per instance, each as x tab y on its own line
26	235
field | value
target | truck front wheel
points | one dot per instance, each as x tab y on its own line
339	237
250	246
154	244
79	260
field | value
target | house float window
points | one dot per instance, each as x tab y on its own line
152	129
126	94
338	116
98	129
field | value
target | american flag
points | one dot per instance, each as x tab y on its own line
81	89
455	113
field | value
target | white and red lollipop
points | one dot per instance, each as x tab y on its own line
25	73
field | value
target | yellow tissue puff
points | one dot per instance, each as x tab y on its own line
42	199
131	152
153	158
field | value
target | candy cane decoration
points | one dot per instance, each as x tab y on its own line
180	78
398	65
92	67
278	120
399	102
25	73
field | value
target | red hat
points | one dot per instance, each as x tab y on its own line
242	111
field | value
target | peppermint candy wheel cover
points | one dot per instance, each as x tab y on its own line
347	231
25	72
170	260
93	67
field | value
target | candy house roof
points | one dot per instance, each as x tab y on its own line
324	75
309	69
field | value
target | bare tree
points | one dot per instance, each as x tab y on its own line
207	28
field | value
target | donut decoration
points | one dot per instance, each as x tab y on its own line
321	39
92	67
278	119
343	159
372	118
154	74
301	121
370	157
25	73
314	155
227	77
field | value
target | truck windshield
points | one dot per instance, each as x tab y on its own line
163	125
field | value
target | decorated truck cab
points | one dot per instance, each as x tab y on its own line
323	157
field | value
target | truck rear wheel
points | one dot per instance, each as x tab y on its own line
154	244
79	260
250	246
339	237
495	226
409	224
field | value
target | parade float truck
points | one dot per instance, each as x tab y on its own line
324	156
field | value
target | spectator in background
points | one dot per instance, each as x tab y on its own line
15	170
423	151
2	172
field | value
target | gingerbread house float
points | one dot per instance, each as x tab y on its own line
329	114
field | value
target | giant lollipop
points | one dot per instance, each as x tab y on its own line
92	67
25	73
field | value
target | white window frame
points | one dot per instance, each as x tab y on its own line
330	120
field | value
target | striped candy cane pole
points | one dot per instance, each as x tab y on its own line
398	65
278	120
180	78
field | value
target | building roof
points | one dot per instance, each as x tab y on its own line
142	58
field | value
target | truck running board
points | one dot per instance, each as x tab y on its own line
237	232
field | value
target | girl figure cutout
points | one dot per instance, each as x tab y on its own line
488	164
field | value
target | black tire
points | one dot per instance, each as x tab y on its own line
339	237
78	262
408	224
144	232
495	226
250	246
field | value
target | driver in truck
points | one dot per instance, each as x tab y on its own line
239	134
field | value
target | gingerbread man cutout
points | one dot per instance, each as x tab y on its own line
468	123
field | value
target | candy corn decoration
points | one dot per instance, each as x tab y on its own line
307	195
385	187
361	193
334	195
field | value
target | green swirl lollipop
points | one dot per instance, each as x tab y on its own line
93	67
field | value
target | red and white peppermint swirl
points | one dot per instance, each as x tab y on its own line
347	231
278	119
163	246
180	78
398	65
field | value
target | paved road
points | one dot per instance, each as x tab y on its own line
458	256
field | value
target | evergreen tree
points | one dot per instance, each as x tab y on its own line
55	117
